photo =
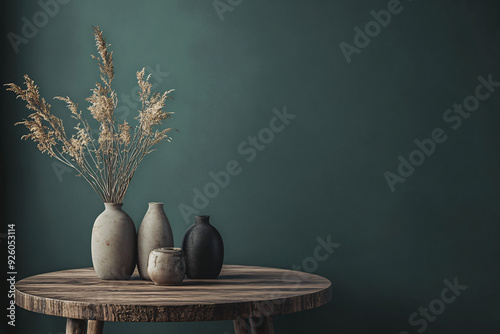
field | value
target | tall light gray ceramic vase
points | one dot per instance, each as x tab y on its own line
154	232
114	244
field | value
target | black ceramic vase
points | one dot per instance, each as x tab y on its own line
203	249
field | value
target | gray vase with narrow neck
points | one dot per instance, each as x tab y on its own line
154	232
114	244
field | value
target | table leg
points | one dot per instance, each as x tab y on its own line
241	326
75	326
262	325
95	327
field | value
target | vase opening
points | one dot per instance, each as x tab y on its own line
168	249
155	203
113	205
200	219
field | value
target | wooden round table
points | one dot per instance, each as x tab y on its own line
248	295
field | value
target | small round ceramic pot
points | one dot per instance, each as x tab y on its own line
166	266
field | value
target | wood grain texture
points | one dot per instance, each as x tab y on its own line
240	291
75	326
95	327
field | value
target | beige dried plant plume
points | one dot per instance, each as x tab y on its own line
109	161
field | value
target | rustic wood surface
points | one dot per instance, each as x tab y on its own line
239	292
95	327
75	326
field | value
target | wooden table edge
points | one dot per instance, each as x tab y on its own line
228	311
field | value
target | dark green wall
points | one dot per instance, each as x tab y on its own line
322	176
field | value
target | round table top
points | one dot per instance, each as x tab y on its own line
240	291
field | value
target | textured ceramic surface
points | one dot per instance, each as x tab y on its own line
166	266
154	232
114	244
203	249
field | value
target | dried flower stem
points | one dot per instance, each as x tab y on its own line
109	161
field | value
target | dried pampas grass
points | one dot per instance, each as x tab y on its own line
109	161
